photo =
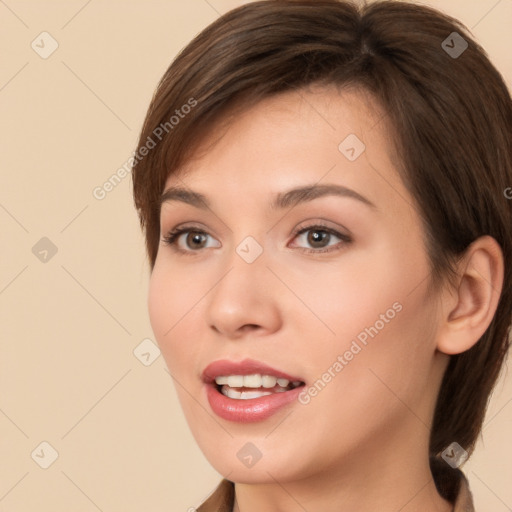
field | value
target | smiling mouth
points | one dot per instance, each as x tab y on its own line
247	387
249	391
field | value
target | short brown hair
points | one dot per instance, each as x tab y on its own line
451	114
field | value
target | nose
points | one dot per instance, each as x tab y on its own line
245	300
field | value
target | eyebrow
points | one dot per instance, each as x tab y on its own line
282	200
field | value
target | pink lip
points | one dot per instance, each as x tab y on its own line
246	411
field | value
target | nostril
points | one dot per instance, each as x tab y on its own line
250	327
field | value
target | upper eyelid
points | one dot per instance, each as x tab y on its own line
314	224
327	224
344	237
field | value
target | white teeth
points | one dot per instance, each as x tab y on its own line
235	381
252	381
230	393
244	395
267	381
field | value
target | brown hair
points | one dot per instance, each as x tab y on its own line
452	117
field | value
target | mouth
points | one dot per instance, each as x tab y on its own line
248	387
248	391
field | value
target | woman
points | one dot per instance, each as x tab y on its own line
323	190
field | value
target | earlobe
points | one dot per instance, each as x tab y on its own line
471	308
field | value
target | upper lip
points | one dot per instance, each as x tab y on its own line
225	367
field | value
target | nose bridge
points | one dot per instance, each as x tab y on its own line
246	276
243	295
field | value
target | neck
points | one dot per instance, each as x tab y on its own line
386	483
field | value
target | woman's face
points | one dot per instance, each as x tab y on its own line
327	287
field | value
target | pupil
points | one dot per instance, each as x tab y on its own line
196	237
317	237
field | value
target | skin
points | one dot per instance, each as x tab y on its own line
362	442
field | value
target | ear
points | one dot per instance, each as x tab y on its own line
469	310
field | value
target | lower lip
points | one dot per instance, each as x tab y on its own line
251	410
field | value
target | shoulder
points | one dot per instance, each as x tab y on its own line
221	500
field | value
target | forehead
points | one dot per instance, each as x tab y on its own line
302	111
294	138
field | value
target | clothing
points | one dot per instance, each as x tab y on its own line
451	484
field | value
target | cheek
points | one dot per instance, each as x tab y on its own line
379	315
389	355
172	295
365	381
170	309
160	304
352	295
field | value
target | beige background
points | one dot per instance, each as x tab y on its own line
70	324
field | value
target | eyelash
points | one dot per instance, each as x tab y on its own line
172	237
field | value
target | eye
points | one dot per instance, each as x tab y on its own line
191	239
194	240
319	238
